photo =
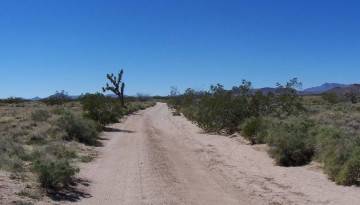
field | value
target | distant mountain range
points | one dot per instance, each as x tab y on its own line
309	91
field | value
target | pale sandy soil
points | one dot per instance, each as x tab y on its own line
156	158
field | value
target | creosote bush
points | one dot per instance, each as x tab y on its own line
340	154
254	130
54	174
103	109
292	142
78	128
350	172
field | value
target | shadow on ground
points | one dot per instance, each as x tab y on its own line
110	129
71	194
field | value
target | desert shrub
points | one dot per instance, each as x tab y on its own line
174	100
11	163
54	174
176	113
10	147
60	151
330	97
14	100
132	108
136	106
37	137
102	109
58	109
78	128
331	141
58	98
216	110
340	154
292	142
40	115
350	172
142	97
259	104
12	153
220	109
28	194
287	102
254	130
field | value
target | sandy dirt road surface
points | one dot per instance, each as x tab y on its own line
155	158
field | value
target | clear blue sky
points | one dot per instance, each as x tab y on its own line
71	45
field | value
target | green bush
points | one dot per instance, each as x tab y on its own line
220	109
132	108
54	174
254	130
350	172
340	154
103	109
292	143
215	110
287	102
78	128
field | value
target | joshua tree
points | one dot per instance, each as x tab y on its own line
117	86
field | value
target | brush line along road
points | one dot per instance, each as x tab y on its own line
153	157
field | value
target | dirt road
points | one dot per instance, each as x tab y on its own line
155	158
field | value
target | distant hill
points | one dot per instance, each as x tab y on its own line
344	91
323	88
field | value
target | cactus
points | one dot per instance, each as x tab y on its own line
117	86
